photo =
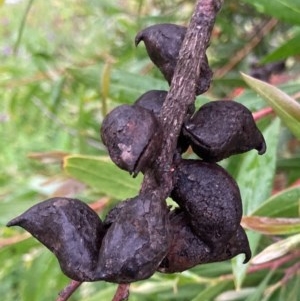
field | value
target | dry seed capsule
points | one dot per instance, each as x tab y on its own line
153	100
211	199
136	241
163	42
70	229
188	250
132	136
223	128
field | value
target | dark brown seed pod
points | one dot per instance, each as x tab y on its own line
153	101
70	229
136	242
211	199
188	250
163	42
132	136
223	128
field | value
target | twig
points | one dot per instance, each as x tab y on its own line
99	205
122	293
68	291
181	94
262	113
290	272
265	28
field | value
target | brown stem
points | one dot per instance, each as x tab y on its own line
99	205
290	272
68	291
181	94
122	293
262	113
256	39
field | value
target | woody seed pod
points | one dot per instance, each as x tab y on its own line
211	199
163	42
188	250
136	241
132	136
70	229
223	128
153	101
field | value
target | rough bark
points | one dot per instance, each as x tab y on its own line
158	179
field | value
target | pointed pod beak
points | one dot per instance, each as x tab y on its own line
262	148
138	39
15	222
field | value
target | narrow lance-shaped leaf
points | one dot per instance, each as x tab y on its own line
102	175
255	179
287	10
277	249
285	107
286	203
260	289
236	295
104	86
289	48
272	226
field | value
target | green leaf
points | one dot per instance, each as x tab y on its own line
152	287
289	48
102	175
286	107
212	291
124	86
287	10
254	175
272	226
289	163
104	86
283	204
258	294
290	291
235	295
103	294
278	249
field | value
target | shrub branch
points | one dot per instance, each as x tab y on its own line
158	179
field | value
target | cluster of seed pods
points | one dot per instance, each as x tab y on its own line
143	235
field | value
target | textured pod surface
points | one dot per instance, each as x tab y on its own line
152	100
211	199
163	42
132	136
70	229
188	250
223	128
136	242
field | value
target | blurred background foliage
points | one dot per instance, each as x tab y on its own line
65	64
